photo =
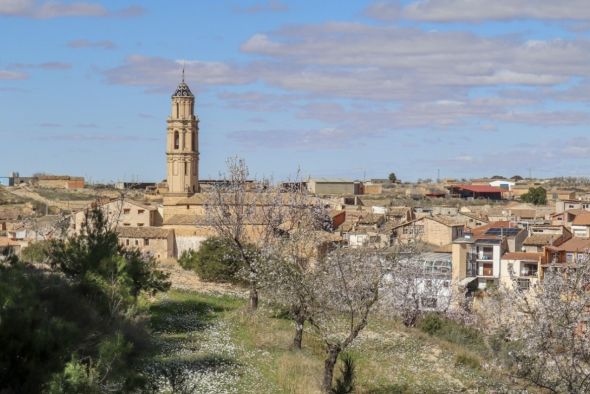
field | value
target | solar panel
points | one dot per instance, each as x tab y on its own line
503	231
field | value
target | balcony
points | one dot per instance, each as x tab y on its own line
486	270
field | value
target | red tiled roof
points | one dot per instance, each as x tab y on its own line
573	245
479	188
582	219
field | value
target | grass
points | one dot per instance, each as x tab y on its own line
212	343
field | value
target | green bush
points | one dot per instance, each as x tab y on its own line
431	324
36	252
215	261
451	331
75	330
467	360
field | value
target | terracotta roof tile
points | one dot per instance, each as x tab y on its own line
143	232
582	219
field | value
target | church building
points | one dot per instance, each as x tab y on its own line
183	209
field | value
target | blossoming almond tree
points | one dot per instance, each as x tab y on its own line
231	211
546	327
346	290
291	253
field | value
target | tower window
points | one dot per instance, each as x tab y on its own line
193	140
177	111
185	168
176	140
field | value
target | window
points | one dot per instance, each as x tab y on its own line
127	242
139	224
193	142
413	230
176	140
146	241
136	242
126	211
569	257
185	168
140	211
126	224
528	269
524	284
177	111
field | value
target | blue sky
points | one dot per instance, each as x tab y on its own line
336	88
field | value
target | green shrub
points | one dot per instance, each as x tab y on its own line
451	331
75	330
431	324
215	261
467	360
345	382
36	252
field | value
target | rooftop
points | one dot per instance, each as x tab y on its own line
582	219
522	256
182	90
143	232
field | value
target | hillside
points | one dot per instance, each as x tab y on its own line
211	343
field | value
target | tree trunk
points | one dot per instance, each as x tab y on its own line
253	297
329	363
299	323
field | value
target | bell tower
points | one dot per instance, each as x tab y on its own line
182	143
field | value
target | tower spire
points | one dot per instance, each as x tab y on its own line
183	71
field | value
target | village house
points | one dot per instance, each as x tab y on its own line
399	215
541	236
124	213
59	181
566	205
556	195
433	230
155	241
524	266
477	255
473	220
566	218
569	252
324	186
581	225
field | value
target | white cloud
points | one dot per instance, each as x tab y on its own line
265	6
82	43
480	10
384	10
160	73
56	9
12	75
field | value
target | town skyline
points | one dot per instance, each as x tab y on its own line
354	91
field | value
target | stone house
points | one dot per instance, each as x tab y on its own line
123	213
435	230
157	241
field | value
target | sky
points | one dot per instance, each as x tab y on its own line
348	89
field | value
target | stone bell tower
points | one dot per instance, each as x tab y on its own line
182	143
